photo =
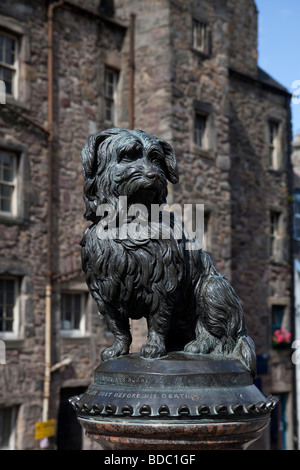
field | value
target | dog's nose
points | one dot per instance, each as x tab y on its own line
152	175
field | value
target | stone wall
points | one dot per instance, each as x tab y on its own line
242	34
204	173
83	45
257	189
24	243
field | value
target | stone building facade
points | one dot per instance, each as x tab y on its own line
296	253
183	70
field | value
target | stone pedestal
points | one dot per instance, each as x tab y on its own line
180	402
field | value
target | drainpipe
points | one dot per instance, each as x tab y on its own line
131	72
48	289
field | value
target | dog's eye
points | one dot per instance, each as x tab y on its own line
129	155
155	158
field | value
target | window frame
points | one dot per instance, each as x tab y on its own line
277	326
207	234
75	332
284	318
201	28
14	200
14	334
273	142
15	67
275	230
22	192
208	148
201	141
110	99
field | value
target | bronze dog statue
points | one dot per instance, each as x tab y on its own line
188	305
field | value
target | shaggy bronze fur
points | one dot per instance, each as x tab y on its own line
187	303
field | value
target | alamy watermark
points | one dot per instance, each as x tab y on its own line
138	222
2	352
2	92
296	94
296	354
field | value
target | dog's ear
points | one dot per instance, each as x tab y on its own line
91	165
170	162
89	156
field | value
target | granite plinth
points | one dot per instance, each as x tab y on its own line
181	402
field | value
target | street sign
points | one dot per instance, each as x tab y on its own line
45	429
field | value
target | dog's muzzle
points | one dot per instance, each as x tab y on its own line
132	181
152	176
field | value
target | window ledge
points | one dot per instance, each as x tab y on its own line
278	172
74	335
206	153
12	342
277	262
200	54
12	220
10	100
109	124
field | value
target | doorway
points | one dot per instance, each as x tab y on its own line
279	424
69	431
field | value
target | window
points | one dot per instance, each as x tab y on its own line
207	232
277	317
8	182
297	216
73	313
8	62
110	88
275	235
203	136
200	36
8	306
200	129
281	336
7	427
273	142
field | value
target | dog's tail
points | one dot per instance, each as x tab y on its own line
245	352
222	315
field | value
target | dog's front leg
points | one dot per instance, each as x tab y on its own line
119	326
158	327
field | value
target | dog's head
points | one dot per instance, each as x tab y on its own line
120	162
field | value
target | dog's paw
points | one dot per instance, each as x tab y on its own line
116	350
198	347
193	347
153	350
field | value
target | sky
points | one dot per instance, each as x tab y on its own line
279	47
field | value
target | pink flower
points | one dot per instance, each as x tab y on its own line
280	338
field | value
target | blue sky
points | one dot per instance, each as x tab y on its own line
279	45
